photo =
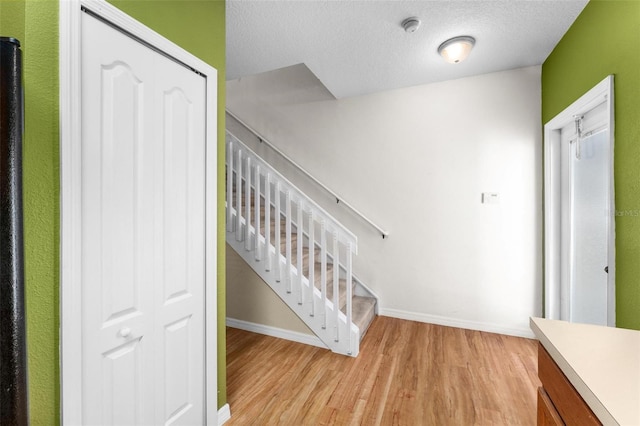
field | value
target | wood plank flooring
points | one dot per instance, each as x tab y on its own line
407	373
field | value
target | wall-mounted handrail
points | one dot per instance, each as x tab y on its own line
338	198
283	185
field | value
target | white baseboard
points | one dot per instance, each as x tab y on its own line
224	414
453	322
294	336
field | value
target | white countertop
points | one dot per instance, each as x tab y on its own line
602	363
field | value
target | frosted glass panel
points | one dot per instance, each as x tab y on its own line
589	214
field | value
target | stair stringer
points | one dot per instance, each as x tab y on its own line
323	322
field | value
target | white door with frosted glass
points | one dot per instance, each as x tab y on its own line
143	233
587	160
579	226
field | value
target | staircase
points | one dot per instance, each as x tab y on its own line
297	248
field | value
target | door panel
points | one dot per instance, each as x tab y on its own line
589	211
178	398
585	213
175	116
122	200
116	198
143	216
121	376
181	233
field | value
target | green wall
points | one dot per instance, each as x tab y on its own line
605	39
197	26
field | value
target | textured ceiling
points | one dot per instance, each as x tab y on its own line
359	47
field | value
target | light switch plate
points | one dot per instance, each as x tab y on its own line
490	198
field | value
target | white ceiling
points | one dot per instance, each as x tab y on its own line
359	47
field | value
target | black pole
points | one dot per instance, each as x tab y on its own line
14	407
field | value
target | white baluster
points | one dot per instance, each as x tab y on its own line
336	286
239	196
323	271
267	222
349	294
256	212
247	206
299	233
278	234
312	263
230	187
287	242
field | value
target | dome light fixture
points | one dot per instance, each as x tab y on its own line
455	50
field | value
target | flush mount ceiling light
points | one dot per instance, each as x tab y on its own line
411	25
456	49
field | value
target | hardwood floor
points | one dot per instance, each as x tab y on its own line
407	373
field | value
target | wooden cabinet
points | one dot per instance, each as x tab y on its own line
558	401
547	413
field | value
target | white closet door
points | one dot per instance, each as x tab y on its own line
179	185
143	215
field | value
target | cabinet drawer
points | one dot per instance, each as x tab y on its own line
564	397
547	414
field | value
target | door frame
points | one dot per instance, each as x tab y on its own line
70	199
557	297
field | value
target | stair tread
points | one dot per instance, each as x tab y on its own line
363	312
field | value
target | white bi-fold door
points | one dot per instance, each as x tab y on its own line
143	233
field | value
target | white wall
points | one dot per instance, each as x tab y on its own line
416	160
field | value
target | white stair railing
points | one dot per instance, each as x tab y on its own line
260	200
